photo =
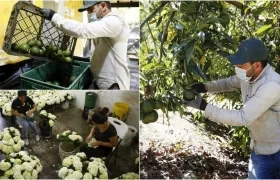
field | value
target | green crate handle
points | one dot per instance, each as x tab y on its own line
34	87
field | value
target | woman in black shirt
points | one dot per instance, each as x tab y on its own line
105	135
23	108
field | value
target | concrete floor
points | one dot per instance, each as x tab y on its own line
71	119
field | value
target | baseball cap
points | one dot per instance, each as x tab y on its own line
249	50
88	3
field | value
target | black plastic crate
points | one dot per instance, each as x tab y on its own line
26	23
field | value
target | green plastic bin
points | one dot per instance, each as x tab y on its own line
36	78
90	99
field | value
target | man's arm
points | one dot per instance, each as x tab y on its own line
108	27
266	96
230	84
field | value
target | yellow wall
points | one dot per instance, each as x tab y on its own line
75	5
6	7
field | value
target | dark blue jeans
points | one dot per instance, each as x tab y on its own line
264	166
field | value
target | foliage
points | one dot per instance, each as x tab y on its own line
185	42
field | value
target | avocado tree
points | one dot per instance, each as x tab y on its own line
186	42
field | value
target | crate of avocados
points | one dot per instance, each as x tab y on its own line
29	34
57	76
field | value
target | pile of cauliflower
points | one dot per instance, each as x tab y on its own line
40	97
50	117
20	166
129	175
77	167
70	136
93	140
10	141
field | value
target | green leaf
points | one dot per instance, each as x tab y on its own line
202	26
179	26
263	29
159	21
179	47
184	7
189	50
223	53
195	69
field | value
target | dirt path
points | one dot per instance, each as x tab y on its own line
183	150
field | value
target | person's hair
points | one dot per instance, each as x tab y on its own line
105	110
99	118
264	63
22	93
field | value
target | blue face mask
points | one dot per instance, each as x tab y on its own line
92	17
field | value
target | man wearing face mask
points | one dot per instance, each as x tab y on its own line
110	33
260	89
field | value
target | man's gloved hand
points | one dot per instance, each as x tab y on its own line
199	87
198	103
47	13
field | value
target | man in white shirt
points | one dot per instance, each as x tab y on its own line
110	33
260	91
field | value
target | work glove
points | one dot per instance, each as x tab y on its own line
197	103
199	87
47	13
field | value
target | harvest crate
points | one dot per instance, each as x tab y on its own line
38	77
26	23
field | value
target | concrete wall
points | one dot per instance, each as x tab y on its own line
109	98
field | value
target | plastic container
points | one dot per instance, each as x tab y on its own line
26	23
65	105
38	77
121	110
129	136
66	150
90	99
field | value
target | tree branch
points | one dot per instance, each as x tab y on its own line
152	37
154	13
165	34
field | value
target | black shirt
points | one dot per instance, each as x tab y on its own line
22	108
105	136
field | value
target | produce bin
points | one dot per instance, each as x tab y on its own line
38	78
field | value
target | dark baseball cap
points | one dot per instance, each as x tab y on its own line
249	50
87	4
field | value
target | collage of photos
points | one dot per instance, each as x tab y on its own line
139	89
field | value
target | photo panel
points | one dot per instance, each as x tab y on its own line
55	134
208	90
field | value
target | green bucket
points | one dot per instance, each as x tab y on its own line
90	99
